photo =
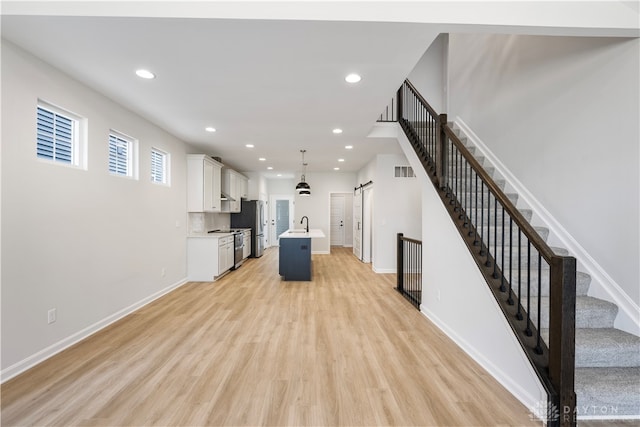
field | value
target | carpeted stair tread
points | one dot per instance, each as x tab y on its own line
590	312
604	347
513	198
583	280
607	381
485	214
525	258
607	392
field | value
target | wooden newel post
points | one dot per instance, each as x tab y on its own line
562	348
441	151
399	269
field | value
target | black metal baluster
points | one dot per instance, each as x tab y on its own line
502	286
528	328
475	235
510	298
495	236
538	349
519	313
488	260
482	217
457	181
463	190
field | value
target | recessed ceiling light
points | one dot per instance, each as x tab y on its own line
210	129
270	168
336	169
337	130
353	78
279	174
341	160
262	159
249	145
145	74
348	147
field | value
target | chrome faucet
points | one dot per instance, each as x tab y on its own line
302	220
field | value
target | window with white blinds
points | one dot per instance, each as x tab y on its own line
159	166
122	153
56	136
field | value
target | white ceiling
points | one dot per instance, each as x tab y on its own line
277	84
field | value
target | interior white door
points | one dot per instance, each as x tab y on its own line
367	225
357	224
281	216
337	220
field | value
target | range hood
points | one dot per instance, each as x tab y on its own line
225	196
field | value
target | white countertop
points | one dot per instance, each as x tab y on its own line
215	235
221	233
300	233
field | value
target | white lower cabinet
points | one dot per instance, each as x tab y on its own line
225	254
209	257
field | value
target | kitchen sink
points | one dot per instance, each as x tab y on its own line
298	230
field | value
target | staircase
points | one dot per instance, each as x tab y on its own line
607	360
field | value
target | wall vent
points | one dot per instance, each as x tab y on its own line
404	172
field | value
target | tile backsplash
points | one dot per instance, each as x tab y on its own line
201	222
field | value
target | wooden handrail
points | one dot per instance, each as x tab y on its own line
537	241
555	363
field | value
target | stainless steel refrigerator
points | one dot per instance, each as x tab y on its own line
251	215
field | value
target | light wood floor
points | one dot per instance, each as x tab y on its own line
251	350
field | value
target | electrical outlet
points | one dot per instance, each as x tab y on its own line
163	272
438	294
51	316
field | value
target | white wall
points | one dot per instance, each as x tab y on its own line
430	74
316	206
281	186
457	299
562	114
84	242
396	207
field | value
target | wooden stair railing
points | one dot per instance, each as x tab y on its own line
516	262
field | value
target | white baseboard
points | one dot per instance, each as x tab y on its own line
44	354
514	388
383	270
320	252
606	288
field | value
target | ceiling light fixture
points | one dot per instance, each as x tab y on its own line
348	147
145	74
270	168
249	145
210	129
303	188
337	131
336	169
353	78
262	159
341	160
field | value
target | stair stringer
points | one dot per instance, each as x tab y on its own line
458	301
602	286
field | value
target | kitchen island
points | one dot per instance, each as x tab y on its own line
295	253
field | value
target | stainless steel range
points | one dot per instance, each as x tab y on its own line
238	247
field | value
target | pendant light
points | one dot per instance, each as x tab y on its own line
303	188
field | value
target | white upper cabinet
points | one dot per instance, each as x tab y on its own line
243	185
203	184
235	186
